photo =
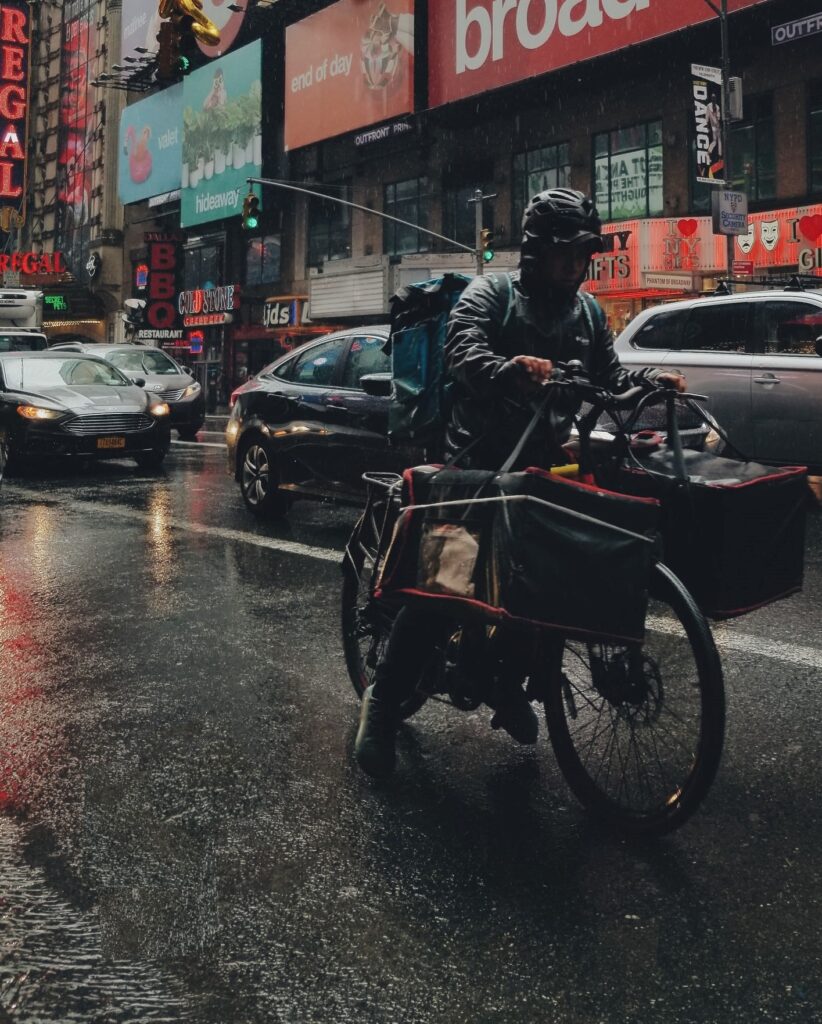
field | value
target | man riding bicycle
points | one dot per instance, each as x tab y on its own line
505	334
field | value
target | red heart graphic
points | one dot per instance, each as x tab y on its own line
687	227
811	226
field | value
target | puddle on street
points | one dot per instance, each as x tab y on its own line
52	968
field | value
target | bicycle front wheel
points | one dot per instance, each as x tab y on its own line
638	729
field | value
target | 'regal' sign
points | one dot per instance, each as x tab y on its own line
476	45
15	42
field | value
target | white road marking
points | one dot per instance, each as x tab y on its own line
289	547
199	444
727	640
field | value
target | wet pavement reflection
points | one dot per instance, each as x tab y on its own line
183	836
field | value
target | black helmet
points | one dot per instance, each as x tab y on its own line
560	216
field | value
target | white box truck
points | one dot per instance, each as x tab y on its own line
21	320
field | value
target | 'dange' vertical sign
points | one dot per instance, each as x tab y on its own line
15	47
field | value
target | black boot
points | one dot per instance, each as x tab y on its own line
375	745
514	714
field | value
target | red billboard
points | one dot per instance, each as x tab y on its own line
477	45
15	46
347	66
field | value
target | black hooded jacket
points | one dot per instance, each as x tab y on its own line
494	320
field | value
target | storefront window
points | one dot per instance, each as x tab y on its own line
751	145
262	260
329	225
815	137
536	170
408	200
628	172
203	267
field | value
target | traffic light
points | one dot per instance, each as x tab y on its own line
171	61
487	244
251	212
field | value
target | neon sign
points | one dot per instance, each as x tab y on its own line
15	46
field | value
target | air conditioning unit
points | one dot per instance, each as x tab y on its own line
734	98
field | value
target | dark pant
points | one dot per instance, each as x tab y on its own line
494	664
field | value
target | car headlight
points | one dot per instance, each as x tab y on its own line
36	412
192	390
160	409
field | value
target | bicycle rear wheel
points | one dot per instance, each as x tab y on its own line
638	730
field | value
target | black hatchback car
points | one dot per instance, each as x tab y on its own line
307	427
59	404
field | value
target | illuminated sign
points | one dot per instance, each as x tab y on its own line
141	276
285	311
205	301
161	317
15	46
32	262
208	320
195	342
56	303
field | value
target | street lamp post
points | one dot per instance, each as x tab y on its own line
722	13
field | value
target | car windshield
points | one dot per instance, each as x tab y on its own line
74	371
152	361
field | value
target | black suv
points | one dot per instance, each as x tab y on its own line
313	422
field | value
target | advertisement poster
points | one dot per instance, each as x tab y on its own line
151	146
222	136
75	154
227	21
141	23
706	96
477	45
347	66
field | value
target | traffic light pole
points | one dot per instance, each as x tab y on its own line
375	213
479	208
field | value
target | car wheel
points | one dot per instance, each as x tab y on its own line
151	460
188	433
258	482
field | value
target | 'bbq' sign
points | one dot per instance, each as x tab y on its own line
15	46
162	321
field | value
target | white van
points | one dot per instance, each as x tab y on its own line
21	320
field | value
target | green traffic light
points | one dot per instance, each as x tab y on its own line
184	65
251	223
487	256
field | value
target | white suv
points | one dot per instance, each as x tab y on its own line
757	355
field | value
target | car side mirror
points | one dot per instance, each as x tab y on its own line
188	370
140	381
376	384
818	345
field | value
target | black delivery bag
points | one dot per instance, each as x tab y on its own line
530	549
733	531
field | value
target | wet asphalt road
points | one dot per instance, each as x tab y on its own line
183	836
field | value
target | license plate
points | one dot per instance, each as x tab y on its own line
111	442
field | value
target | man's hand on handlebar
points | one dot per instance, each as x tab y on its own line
535	372
672	379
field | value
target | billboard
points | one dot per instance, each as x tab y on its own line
347	66
222	136
477	45
76	137
228	22
151	146
14	109
141	23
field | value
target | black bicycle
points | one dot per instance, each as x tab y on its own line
637	728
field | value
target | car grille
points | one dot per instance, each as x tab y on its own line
171	395
109	423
